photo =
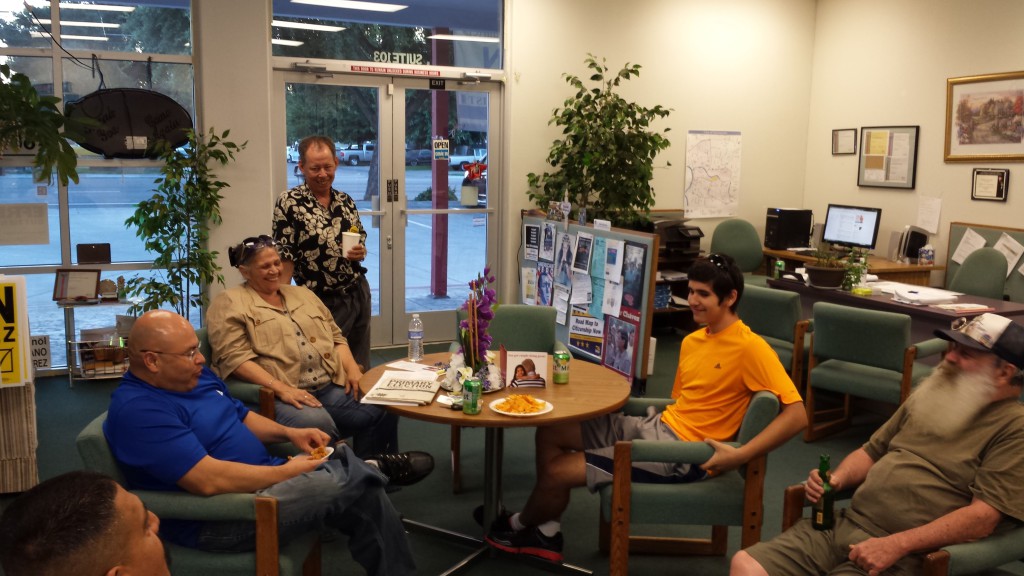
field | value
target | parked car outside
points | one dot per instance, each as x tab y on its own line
417	157
293	154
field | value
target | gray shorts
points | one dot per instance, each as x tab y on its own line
804	550
601	434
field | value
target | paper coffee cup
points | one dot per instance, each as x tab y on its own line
348	241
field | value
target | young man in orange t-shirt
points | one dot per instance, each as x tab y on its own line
721	367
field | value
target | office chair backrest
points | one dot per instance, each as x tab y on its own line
983	273
738	238
769	312
95	452
861	336
521	327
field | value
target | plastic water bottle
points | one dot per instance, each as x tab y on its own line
415	338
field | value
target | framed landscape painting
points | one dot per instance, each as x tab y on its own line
983	118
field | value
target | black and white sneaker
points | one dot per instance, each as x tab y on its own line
530	541
404	469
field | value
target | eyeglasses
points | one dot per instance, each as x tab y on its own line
189	354
239	254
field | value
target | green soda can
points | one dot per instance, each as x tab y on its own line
560	372
472	391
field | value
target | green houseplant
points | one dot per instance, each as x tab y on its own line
30	122
174	223
604	160
828	270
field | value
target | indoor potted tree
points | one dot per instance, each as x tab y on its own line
30	122
175	223
828	270
605	160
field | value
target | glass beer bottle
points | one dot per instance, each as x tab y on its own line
823	511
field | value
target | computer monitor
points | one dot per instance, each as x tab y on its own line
852	226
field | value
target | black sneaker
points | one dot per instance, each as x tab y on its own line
530	541
406	468
501	521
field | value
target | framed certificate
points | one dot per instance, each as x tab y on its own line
76	284
990	184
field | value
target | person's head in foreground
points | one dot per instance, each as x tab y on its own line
80	523
259	263
716	286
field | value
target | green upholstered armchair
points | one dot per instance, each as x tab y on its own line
730	499
863	353
271	558
249	393
739	239
1003	547
776	316
520	328
983	273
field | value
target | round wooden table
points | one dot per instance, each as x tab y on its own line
592	390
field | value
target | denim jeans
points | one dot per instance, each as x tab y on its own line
373	429
344	493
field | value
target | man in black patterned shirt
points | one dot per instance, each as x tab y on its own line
308	224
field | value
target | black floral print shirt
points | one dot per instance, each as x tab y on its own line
310	236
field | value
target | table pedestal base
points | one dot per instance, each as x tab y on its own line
493	442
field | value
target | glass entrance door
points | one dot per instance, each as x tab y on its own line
431	224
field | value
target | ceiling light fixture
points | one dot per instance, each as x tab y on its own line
461	38
306	26
354	5
71	37
105	7
82	24
283	42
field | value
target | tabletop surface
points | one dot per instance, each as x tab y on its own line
592	390
875	263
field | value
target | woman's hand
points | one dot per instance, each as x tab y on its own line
298	398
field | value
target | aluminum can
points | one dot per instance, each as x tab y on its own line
472	391
780	268
560	373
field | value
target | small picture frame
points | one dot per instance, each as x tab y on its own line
990	184
844	141
76	284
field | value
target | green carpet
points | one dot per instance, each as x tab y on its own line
63	411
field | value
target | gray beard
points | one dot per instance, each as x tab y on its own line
948	400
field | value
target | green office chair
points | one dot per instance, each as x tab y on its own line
863	353
978	557
776	316
302	555
730	499
520	328
738	238
983	273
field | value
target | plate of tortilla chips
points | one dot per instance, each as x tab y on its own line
521	405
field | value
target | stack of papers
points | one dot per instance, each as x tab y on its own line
400	388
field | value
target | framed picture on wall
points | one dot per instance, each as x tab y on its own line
844	141
990	184
983	118
888	156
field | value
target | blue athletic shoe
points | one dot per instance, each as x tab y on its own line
530	541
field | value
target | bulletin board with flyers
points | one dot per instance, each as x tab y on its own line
601	284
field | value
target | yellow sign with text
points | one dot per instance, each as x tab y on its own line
15	363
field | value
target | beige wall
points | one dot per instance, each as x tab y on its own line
885	62
782	72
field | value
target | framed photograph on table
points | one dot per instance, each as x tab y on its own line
990	184
983	119
76	285
888	156
844	141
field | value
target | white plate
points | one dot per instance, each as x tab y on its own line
330	450
548	407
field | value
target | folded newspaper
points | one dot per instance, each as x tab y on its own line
401	388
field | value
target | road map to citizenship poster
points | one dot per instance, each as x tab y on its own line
712	173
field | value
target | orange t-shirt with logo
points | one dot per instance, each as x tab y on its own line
717	376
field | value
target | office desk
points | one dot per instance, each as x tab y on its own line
924	319
592	390
881	267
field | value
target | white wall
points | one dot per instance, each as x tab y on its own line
738	65
885	62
